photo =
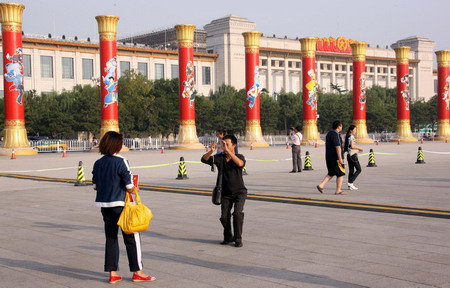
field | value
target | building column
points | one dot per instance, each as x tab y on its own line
443	59
309	88
14	133
253	133
404	133
187	135
359	91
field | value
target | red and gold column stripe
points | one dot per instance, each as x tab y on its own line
443	59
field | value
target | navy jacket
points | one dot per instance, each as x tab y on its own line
111	177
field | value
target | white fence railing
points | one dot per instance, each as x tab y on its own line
157	143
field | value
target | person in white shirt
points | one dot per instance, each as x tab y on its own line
296	138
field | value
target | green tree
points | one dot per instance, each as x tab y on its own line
269	111
290	111
166	106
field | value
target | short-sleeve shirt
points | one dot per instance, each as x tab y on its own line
232	181
332	140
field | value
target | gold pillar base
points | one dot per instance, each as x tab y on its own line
443	131
253	135
187	138
310	133
104	129
361	132
15	137
404	133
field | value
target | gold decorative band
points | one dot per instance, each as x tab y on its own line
359	121
14	122
12	28
185	44
110	123
253	123
359	58
107	37
443	121
403	121
443	64
309	55
402	61
187	122
251	50
309	122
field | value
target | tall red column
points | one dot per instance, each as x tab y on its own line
253	132
443	59
310	91
187	137
359	91
14	133
109	100
404	133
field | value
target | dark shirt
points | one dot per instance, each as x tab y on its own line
332	140
232	181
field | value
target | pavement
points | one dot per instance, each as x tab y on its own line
52	234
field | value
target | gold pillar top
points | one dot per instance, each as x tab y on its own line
359	48
107	24
402	53
185	32
443	58
308	44
11	13
251	39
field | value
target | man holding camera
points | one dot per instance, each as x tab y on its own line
234	191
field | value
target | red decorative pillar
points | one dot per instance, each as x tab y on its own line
310	91
404	133
109	101
359	91
187	136
14	133
253	132
443	59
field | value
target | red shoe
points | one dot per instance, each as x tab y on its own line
137	278
114	279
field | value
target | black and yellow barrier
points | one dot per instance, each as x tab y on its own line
182	173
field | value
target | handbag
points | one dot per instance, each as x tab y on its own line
135	217
217	191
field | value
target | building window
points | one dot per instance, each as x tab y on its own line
344	67
143	69
26	65
272	63
88	69
124	67
298	64
159	71
174	69
263	62
46	66
281	64
206	75
67	68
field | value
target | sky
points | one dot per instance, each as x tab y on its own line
380	22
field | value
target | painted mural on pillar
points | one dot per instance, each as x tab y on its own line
405	93
14	73
446	93
362	83
312	87
188	85
110	83
254	91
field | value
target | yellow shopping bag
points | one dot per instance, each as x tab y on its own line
135	217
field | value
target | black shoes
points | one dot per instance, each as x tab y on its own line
293	171
238	244
225	242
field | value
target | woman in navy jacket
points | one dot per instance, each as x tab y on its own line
112	178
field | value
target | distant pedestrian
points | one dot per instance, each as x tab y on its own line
112	177
234	191
296	138
352	156
94	141
333	158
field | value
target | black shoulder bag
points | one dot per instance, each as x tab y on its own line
217	191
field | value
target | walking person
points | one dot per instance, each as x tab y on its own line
333	158
112	178
296	138
234	191
352	157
